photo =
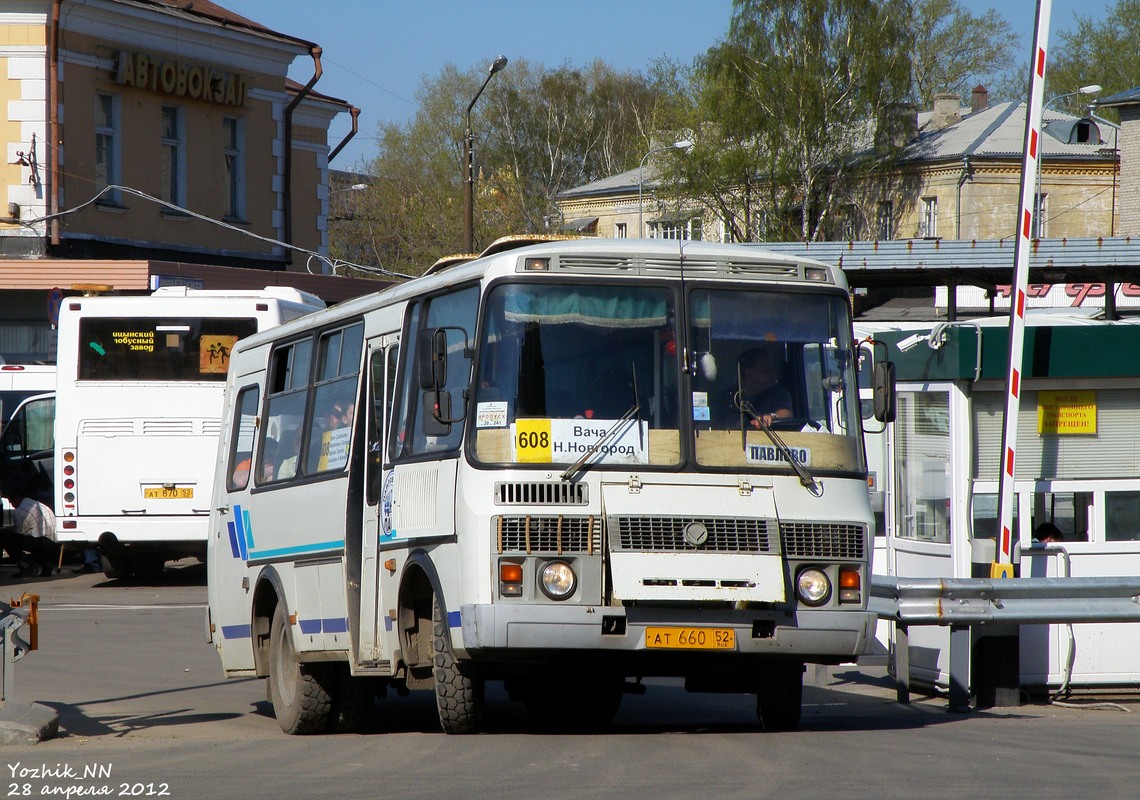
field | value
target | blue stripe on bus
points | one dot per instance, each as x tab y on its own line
335	625
236	631
310	627
233	540
248	544
454	620
336	544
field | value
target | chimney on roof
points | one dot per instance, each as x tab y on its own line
979	99
947	110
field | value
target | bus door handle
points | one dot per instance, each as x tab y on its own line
134	510
223	509
200	510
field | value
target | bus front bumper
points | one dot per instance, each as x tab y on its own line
825	636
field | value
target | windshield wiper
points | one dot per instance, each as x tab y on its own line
632	412
806	478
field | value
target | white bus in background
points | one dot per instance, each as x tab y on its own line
138	402
529	468
27	441
18	382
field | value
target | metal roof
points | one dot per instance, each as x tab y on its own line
985	263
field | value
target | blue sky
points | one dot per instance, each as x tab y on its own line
376	52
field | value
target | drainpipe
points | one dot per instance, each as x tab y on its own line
355	112
287	203
53	124
962	178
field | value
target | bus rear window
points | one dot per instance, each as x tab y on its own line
158	349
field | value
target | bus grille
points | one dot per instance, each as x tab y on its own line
823	540
667	534
548	534
540	494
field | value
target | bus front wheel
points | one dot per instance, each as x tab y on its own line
780	696
299	692
458	688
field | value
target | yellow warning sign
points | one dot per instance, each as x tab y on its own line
1066	412
214	353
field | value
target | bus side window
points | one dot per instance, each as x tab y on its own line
456	312
288	395
242	436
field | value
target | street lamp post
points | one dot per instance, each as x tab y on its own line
683	144
469	189
1038	204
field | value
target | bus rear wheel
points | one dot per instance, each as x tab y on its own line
299	692
458	687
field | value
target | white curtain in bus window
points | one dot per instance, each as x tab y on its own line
158	349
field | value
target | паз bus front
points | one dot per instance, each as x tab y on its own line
547	467
138	406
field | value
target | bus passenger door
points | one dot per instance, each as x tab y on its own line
380	385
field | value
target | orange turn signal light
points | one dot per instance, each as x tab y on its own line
511	573
849	579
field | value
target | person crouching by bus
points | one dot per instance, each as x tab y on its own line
31	541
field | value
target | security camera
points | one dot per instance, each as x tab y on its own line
911	342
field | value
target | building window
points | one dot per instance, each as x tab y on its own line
234	168
685	229
619	230
1040	208
928	222
884	221
173	155
849	223
107	146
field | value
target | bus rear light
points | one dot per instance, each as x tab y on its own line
68	456
850	585
69	484
510	579
69	469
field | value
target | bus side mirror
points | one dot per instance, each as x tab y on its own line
431	358
883	385
436	414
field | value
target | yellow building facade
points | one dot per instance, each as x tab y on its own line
157	131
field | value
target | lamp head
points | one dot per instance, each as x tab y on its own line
501	62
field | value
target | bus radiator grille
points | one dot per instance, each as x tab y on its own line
541	493
667	534
823	539
547	534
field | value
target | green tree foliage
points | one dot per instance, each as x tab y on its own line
1093	52
953	50
537	132
784	106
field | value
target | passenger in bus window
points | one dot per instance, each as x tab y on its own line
287	467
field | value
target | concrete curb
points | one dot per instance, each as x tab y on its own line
27	723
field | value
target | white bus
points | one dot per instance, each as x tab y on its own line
529	467
138	407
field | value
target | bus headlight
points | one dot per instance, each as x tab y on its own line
557	580
813	586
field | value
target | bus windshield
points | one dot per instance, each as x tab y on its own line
773	380
595	372
158	349
563	365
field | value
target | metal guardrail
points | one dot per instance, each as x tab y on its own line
13	617
963	604
979	601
